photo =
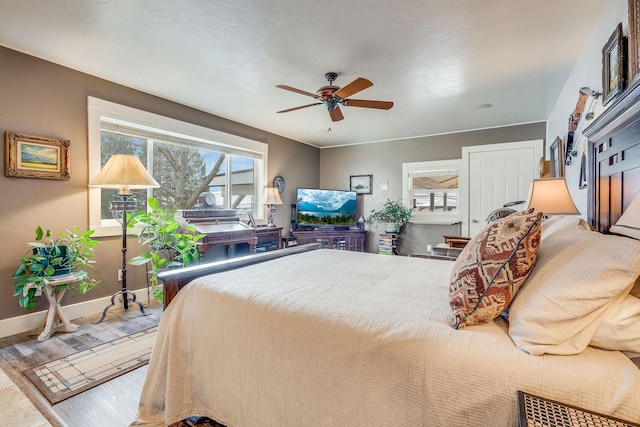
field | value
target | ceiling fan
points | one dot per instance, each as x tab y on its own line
332	96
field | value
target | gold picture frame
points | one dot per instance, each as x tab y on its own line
31	156
613	66
556	152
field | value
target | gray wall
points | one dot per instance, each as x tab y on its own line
384	161
45	99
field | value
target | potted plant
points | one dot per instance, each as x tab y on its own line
170	243
50	256
393	214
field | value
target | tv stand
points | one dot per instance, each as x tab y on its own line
346	240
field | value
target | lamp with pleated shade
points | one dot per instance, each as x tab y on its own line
551	197
271	198
123	172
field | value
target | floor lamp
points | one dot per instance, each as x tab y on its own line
123	172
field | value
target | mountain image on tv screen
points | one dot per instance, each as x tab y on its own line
326	207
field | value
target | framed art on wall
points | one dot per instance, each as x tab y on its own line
361	184
613	66
556	153
30	156
634	39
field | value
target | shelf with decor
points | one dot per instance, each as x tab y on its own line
387	244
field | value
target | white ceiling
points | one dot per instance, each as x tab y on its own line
437	60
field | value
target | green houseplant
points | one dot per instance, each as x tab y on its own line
393	214
50	256
170	243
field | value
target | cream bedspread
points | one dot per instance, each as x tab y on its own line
355	339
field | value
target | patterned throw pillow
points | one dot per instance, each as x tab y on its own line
492	268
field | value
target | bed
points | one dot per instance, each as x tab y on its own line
308	336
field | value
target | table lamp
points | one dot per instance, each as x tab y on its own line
271	198
551	197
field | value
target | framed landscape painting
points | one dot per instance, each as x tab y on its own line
361	184
30	156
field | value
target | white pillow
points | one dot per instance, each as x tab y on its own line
578	275
620	328
560	223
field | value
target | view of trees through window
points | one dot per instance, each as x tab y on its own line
183	172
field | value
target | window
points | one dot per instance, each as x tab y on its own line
432	188
185	159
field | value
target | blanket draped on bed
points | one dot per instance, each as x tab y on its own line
354	339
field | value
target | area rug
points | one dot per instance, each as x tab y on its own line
63	378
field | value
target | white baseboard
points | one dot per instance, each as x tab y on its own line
31	321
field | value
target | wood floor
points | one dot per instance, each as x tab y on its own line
112	404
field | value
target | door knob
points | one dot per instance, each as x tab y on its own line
475	221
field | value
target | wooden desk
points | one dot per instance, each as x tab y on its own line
268	239
226	234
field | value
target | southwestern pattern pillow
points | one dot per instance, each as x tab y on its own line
492	267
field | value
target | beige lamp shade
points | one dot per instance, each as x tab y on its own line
629	222
124	172
551	197
272	196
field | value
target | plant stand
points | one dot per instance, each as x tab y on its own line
55	320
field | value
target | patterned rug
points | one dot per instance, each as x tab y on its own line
63	378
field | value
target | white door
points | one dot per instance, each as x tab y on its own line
497	174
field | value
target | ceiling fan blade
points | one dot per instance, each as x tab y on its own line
336	114
297	108
380	105
354	87
300	91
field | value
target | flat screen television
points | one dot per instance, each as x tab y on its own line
319	208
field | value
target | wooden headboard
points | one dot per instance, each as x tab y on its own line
614	159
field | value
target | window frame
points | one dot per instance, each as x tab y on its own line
411	169
99	110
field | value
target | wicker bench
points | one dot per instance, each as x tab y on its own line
535	411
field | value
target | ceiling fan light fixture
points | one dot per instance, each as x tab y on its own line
332	96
